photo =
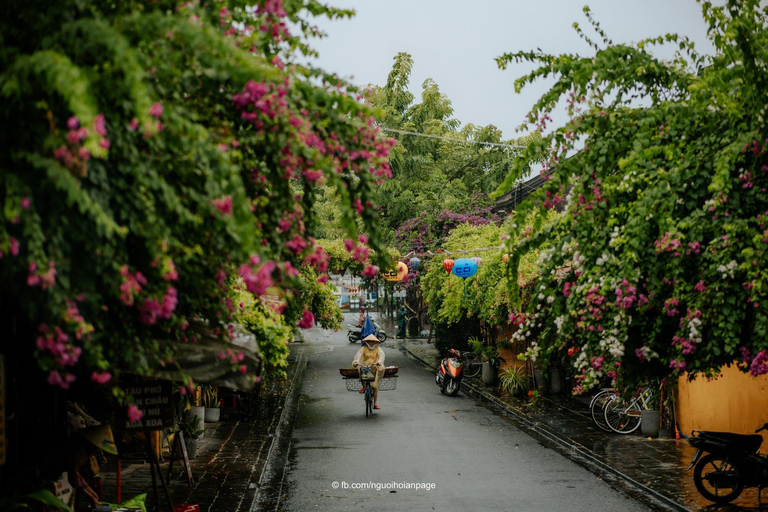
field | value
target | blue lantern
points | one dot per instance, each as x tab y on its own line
464	267
415	263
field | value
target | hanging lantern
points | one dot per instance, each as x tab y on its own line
448	264
464	267
415	263
398	274
505	258
478	260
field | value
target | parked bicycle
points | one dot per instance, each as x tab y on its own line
612	413
624	417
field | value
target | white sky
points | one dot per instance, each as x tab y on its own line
455	43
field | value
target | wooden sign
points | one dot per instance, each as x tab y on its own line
154	399
3	404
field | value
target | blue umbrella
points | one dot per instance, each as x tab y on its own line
367	329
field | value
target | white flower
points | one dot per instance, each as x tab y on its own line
550	299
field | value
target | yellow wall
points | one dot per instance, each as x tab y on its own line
735	402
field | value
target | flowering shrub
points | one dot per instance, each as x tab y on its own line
658	265
484	295
159	148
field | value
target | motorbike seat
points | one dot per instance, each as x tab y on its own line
746	442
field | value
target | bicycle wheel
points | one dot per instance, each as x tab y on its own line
472	365
717	480
620	417
597	408
368	399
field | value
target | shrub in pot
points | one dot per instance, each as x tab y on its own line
211	403
491	360
192	428
514	380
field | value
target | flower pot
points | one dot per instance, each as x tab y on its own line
539	381
191	447
556	385
490	374
212	414
199	413
649	423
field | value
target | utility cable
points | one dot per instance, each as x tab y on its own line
451	139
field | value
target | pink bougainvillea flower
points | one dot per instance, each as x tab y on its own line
100	125
134	414
25	203
55	379
363	239
105	143
224	205
156	110
349	244
370	271
307	320
243	369
73	123
133	125
101	378
296	245
15	245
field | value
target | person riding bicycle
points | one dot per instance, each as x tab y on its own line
371	355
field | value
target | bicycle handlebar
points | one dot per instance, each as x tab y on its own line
764	427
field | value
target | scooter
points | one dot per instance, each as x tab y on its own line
353	333
449	373
731	463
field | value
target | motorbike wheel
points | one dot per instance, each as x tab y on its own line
714	467
452	387
382	336
353	339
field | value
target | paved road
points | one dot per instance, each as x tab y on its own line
476	459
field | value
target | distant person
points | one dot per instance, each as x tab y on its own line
361	318
401	321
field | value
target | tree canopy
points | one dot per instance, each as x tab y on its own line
151	151
658	265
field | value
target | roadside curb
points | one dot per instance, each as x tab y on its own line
573	451
273	471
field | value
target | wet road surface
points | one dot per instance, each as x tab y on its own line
421	451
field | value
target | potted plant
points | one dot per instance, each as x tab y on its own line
188	406
514	380
211	402
192	428
491	360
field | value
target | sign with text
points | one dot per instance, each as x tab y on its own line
154	399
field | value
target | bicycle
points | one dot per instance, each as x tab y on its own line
597	407
472	364
361	377
366	377
623	417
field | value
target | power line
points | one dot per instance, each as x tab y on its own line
451	139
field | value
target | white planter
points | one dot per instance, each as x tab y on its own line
212	414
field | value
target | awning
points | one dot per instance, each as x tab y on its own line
201	359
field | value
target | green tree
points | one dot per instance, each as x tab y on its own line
152	150
658	264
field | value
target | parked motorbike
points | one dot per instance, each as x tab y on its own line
450	372
353	333
731	463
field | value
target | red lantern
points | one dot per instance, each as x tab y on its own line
448	264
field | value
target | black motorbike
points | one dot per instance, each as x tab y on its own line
731	463
353	333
